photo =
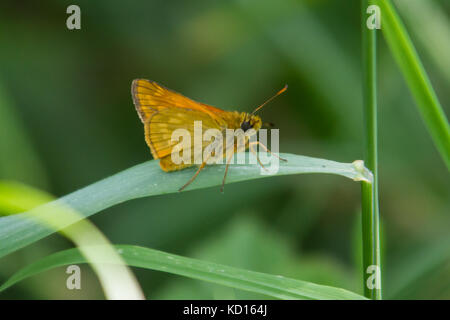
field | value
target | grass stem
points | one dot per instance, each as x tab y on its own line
369	192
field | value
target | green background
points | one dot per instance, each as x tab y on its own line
67	120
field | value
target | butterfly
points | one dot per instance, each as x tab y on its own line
162	111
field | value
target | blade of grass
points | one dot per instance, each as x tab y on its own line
369	191
147	179
272	285
117	280
429	22
416	77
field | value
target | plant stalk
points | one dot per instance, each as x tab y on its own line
369	192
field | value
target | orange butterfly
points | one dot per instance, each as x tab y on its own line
162	111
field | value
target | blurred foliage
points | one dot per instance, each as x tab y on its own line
67	120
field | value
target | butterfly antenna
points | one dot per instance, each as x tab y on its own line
270	99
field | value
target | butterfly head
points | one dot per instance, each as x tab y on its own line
250	121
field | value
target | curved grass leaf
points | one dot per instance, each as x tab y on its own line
147	179
117	280
416	77
429	22
271	285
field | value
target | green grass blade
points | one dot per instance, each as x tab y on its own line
417	79
429	22
117	281
272	285
147	179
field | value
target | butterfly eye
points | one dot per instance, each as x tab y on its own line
245	125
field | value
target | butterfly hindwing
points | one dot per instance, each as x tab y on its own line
160	126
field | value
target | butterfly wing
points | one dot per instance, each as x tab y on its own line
159	128
149	97
163	111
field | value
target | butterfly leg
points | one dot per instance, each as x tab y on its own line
266	149
226	171
257	156
194	176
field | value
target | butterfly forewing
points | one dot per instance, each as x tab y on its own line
163	111
149	97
